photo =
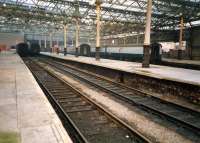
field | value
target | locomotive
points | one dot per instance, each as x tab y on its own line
25	49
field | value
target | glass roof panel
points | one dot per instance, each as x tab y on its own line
125	12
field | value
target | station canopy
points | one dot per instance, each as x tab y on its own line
117	16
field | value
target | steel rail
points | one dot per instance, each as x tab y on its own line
193	126
139	137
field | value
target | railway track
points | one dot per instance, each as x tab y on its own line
179	115
84	120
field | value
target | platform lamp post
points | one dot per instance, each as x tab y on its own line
147	40
98	29
77	16
65	39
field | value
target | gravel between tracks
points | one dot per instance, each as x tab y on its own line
157	132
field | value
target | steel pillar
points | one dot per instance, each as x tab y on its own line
77	36
51	44
57	42
40	43
124	41
181	38
45	42
65	40
146	60
98	29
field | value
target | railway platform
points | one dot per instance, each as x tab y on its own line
26	116
189	64
156	71
177	85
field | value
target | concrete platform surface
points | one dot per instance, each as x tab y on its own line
161	72
26	116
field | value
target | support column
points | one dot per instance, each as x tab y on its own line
137	40
40	42
180	38
57	42
45	42
33	36
77	36
98	28
65	39
191	42
124	41
146	60
51	44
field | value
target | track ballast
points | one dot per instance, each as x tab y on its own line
84	119
179	115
